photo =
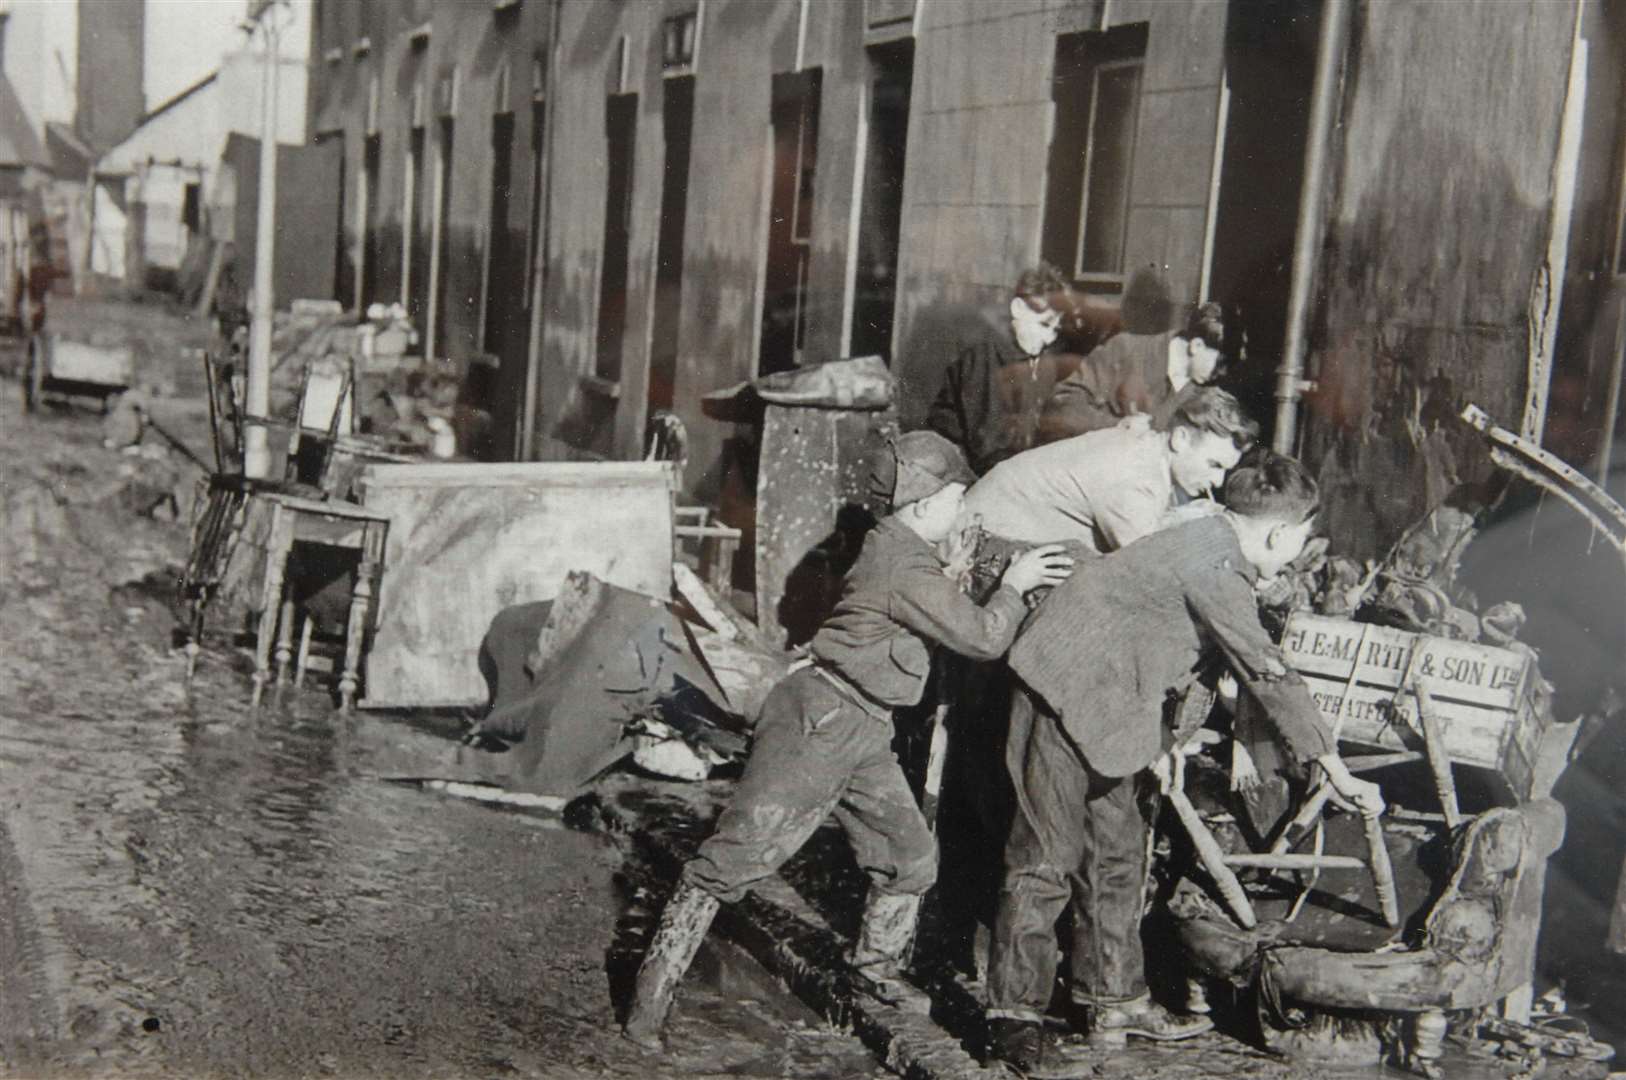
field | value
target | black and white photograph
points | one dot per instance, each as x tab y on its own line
813	539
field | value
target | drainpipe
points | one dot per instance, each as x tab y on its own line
526	450
1290	381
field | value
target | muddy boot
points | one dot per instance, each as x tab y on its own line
1113	1024
1028	1048
683	926
878	954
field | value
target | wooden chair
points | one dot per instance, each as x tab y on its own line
326	412
666	439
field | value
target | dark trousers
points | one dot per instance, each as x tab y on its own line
1076	836
815	753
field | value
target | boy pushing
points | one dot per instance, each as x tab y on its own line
823	743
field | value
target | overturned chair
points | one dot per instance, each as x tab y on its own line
1358	951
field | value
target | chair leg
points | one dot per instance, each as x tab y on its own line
1428	1042
356	631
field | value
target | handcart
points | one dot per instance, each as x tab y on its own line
68	368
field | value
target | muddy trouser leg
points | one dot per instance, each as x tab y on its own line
801	757
894	846
1043	850
1109	965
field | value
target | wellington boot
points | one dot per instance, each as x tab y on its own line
883	943
682	927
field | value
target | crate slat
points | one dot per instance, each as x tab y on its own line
1484	697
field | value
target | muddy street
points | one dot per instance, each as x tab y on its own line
188	889
192	888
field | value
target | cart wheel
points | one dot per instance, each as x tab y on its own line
33	376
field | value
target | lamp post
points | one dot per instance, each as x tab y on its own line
256	448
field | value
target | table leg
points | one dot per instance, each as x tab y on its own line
278	543
355	631
266	631
285	640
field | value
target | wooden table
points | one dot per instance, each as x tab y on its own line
286	520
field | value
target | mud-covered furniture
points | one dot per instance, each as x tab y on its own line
272	524
1425	717
467	541
57	365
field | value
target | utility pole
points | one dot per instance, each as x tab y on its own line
256	448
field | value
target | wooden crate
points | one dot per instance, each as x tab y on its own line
467	541
1489	701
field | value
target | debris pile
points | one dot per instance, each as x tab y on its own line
1413	588
600	673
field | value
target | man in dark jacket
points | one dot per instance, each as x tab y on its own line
1136	373
823	743
994	389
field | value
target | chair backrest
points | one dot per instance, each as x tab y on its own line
326	403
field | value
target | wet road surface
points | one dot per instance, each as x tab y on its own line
192	890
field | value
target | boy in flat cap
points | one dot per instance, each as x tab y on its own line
823	743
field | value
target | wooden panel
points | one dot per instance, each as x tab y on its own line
1449	669
1484	697
84	362
1425	305
467	541
814	465
1375	716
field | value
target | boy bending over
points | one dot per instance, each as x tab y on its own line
1097	664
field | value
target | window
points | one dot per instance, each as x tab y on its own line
1097	91
795	120
680	42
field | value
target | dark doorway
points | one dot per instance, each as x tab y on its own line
508	405
621	120
442	238
417	232
192	209
1270	65
795	119
505	271
875	284
370	252
534	255
344	265
677	119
